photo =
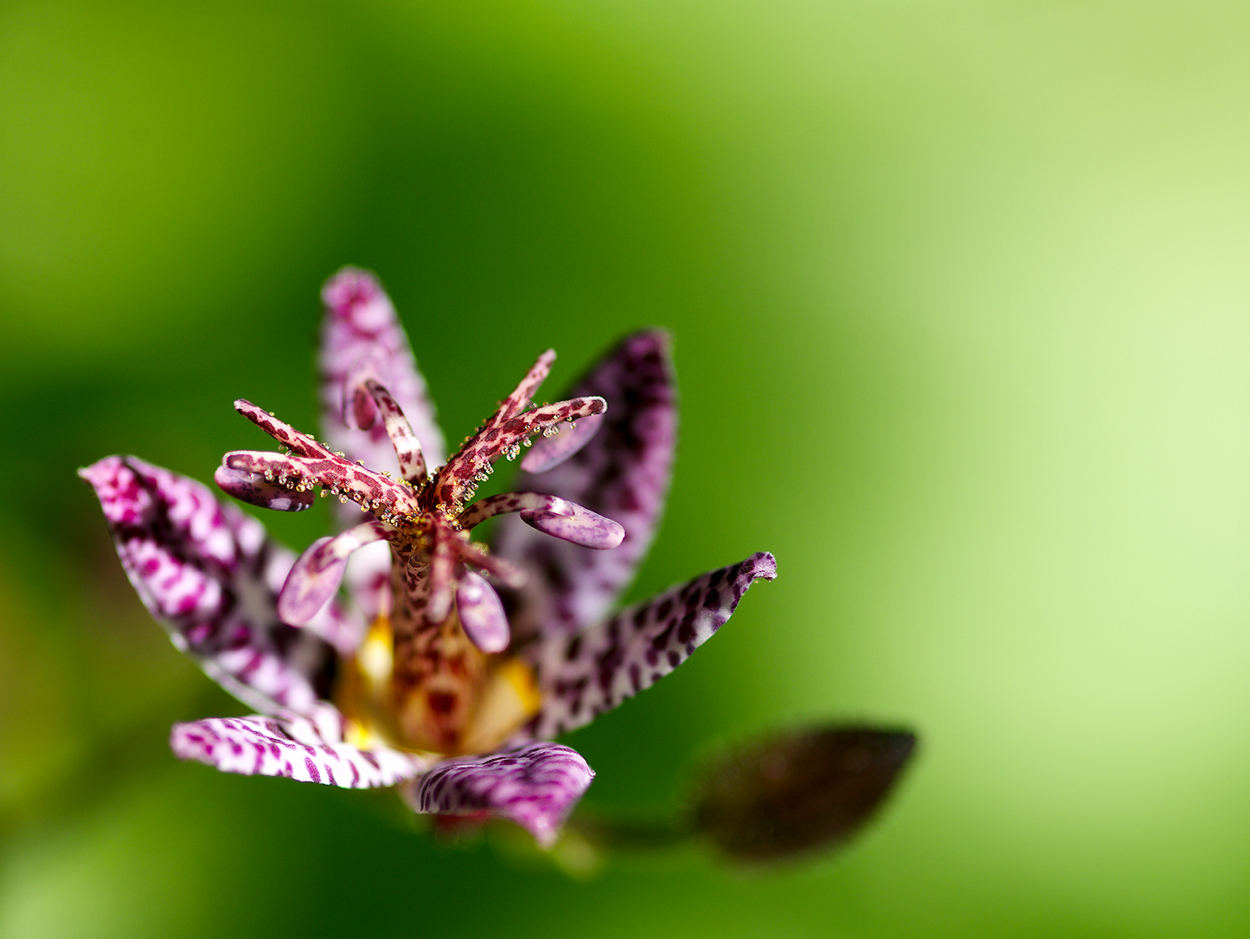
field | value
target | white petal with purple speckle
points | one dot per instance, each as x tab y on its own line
533	784
582	676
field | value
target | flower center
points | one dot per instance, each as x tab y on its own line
445	707
431	673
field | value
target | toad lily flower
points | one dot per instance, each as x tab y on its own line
425	676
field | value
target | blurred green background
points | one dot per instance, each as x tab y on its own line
962	313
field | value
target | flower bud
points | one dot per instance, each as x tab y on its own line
793	793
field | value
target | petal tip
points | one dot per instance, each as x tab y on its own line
100	471
187	744
763	564
348	288
652	339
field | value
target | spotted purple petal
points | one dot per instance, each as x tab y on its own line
361	338
535	785
582	676
289	746
622	473
210	576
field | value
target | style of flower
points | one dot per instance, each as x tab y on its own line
428	677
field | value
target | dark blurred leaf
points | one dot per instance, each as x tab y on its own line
792	793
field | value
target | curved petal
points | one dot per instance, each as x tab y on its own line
535	785
292	747
361	338
210	576
622	473
584	676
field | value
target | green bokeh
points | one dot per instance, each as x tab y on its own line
962	318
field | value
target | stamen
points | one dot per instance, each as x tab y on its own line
549	514
456	480
474	555
481	614
560	443
316	574
256	489
583	527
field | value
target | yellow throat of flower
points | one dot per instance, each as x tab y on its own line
470	705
